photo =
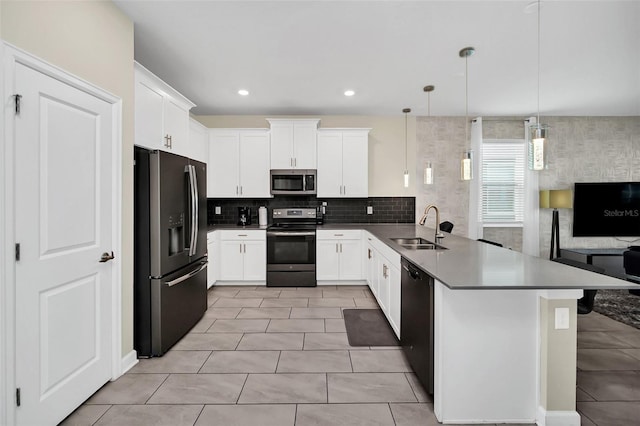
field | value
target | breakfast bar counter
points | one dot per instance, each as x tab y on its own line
505	328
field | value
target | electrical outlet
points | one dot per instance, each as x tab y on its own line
218	210
562	318
369	209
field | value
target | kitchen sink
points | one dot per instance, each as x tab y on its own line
417	243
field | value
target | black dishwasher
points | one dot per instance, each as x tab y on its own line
416	322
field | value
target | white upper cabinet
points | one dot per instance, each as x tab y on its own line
161	114
343	163
198	141
238	165
293	143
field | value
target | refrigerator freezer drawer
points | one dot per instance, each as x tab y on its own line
178	302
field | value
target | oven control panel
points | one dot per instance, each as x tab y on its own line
294	213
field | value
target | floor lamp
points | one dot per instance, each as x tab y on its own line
555	199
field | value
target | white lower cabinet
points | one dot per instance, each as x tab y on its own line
383	277
243	255
339	255
371	267
213	256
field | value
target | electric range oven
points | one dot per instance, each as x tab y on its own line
291	248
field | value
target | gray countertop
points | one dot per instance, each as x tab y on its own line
473	265
211	228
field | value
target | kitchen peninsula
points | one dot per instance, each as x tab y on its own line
504	326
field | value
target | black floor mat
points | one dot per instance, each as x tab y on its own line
368	327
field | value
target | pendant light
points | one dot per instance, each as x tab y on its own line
538	132
466	163
428	167
406	152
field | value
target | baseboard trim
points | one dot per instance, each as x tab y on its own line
128	361
341	282
221	283
557	418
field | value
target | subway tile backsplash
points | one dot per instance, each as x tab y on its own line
338	210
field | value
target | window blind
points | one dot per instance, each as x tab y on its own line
502	199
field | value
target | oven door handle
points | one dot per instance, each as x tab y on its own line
291	234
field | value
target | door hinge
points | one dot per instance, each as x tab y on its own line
17	98
17	252
18	397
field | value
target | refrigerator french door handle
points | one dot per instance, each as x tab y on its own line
186	276
192	198
196	221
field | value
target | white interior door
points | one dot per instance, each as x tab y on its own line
63	208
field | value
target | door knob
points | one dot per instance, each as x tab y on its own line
106	257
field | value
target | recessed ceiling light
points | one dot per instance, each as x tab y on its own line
243	92
349	93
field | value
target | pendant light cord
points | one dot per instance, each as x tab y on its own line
406	154
538	63
466	100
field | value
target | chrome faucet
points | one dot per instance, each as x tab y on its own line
423	219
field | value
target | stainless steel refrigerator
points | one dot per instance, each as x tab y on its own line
170	249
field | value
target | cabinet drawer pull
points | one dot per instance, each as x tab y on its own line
338	235
242	235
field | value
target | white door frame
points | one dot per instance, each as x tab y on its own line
10	57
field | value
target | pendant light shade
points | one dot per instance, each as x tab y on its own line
428	167
537	149
406	153
466	163
428	173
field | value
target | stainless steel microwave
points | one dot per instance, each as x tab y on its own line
293	182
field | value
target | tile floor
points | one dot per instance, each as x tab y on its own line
271	356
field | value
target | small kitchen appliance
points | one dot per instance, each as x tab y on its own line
244	216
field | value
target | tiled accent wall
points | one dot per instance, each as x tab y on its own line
338	210
588	149
441	141
508	237
580	149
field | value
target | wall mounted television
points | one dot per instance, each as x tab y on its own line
606	209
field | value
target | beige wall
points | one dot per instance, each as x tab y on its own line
386	145
558	351
94	41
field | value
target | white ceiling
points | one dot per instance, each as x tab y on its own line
298	57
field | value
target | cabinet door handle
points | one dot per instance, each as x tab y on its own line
236	189
240	245
240	189
337	248
166	140
368	253
345	190
170	141
384	271
295	162
244	247
340	247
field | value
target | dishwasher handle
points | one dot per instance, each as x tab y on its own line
413	273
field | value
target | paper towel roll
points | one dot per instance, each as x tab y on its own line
262	216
